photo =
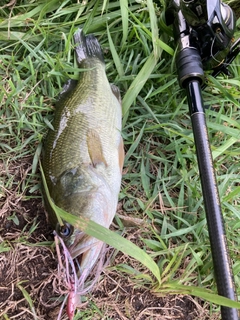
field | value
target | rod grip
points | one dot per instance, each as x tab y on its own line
189	66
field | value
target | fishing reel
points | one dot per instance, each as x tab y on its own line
204	33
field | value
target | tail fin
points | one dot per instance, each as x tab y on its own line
87	47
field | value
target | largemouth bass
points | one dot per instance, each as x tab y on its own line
83	156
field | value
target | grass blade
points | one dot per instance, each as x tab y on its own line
124	14
138	84
29	300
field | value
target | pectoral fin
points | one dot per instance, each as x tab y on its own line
95	148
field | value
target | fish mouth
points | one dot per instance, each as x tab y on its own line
71	250
73	241
82	244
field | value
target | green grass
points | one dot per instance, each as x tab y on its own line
160	183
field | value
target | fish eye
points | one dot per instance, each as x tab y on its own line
65	230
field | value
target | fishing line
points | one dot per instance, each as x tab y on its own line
211	52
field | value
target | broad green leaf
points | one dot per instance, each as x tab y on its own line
111	238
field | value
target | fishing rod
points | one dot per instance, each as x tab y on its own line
203	30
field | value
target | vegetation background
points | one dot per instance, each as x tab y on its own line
160	204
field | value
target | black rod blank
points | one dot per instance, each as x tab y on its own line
221	260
